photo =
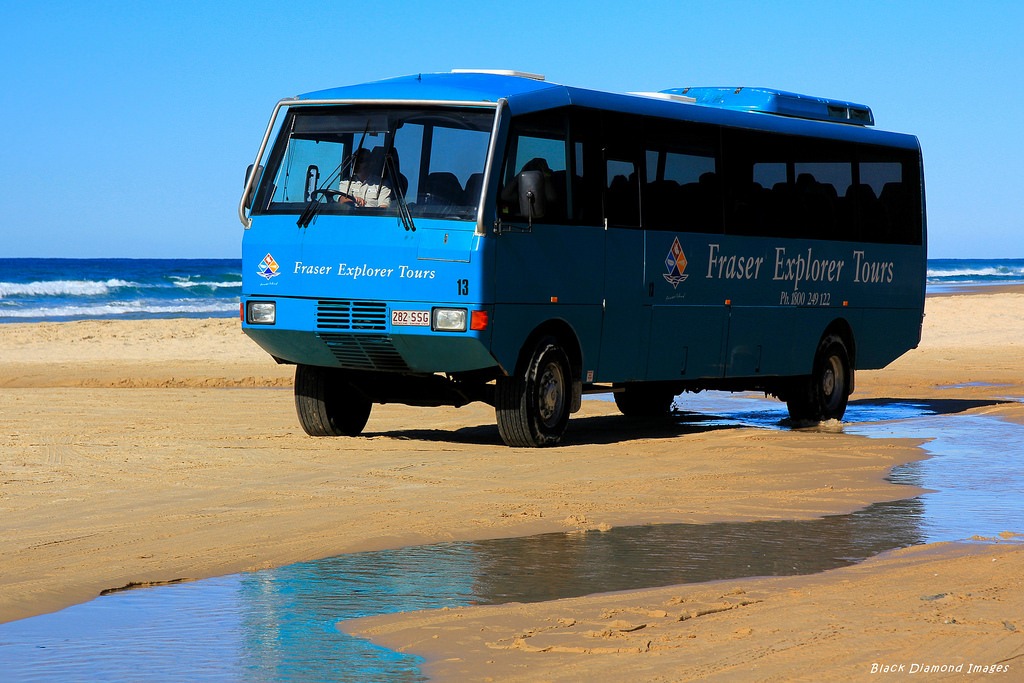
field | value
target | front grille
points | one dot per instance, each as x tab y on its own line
364	351
337	314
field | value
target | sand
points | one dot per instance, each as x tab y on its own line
139	452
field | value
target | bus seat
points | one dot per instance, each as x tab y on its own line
441	187
861	211
556	200
472	192
661	203
396	167
894	205
817	206
622	205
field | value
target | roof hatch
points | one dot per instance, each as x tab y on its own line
779	102
500	72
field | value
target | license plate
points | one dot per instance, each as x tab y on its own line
411	318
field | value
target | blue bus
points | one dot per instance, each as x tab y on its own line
439	239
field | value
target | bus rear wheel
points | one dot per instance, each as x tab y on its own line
327	403
532	406
823	394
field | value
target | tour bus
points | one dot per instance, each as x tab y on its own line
439	239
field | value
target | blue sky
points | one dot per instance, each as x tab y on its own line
127	126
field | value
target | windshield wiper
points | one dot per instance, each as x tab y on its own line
396	184
312	208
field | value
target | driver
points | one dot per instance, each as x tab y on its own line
366	187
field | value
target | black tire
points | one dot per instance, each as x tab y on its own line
823	394
639	400
532	406
328	404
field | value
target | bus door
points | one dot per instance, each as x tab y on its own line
682	214
623	342
548	266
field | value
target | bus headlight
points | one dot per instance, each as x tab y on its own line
449	320
261	312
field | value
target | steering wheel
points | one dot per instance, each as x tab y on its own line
332	195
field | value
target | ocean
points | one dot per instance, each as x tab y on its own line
955	271
34	290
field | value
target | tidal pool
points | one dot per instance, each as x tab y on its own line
279	624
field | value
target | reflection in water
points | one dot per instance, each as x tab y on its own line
976	477
279	624
552	566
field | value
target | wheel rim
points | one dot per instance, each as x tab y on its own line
550	394
832	382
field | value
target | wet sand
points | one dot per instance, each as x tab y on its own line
152	451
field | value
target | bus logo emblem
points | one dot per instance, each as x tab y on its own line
675	262
268	267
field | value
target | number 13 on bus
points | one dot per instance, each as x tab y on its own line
440	239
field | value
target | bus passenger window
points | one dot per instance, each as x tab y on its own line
820	186
888	215
682	193
751	199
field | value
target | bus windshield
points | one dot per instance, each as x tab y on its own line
427	162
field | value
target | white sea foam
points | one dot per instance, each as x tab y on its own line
980	270
62	288
974	272
124	308
211	285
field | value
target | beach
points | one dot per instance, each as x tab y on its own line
140	452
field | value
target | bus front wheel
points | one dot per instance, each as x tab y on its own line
532	406
328	404
824	393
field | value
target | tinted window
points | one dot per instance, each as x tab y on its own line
789	186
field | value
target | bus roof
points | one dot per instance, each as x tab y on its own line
465	86
769	101
742	107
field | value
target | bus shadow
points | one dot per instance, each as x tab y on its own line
608	429
584	431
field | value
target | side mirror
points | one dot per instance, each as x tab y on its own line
255	182
312	181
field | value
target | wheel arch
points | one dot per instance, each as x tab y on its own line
566	336
842	328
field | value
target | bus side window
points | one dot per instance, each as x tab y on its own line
534	177
821	185
682	189
888	212
754	207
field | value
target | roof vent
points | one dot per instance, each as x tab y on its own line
500	72
780	103
666	96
